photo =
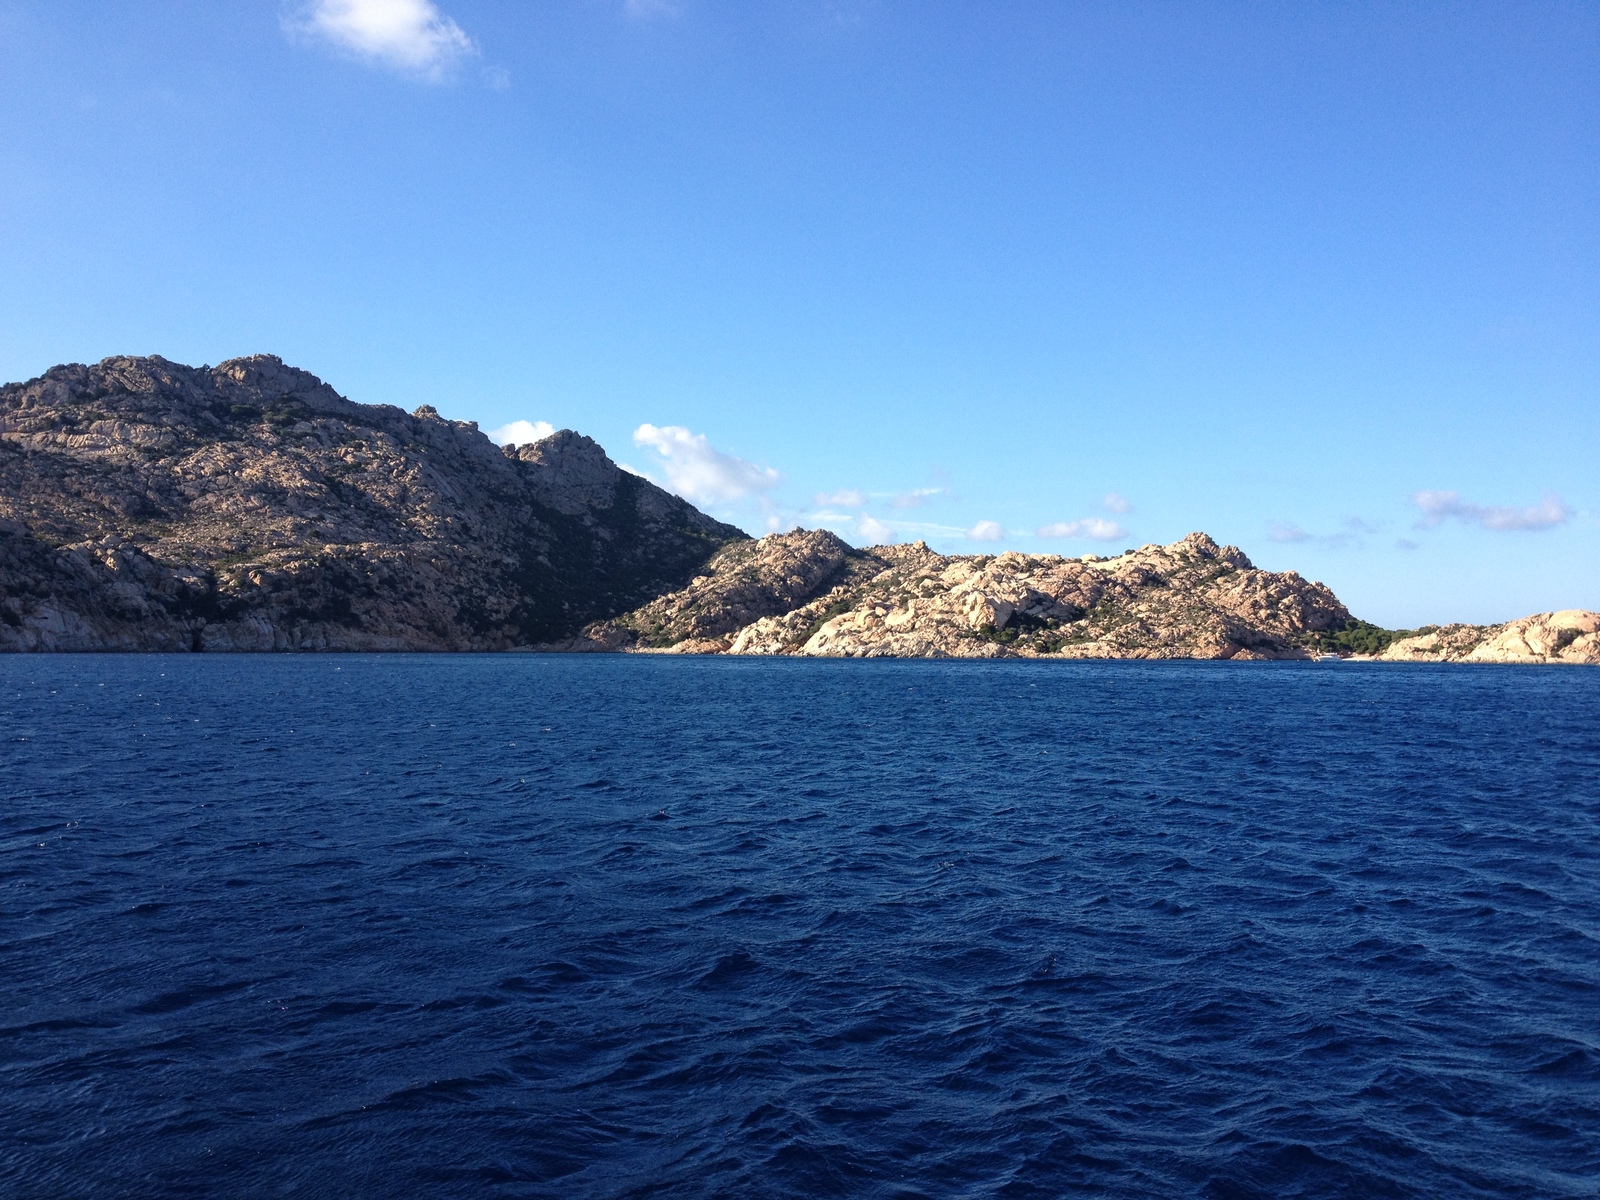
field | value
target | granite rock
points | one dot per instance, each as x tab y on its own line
807	593
1569	636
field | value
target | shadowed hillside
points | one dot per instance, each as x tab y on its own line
152	506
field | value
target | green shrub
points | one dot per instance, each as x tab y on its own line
1360	637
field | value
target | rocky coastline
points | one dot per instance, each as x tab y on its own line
1569	636
809	594
150	506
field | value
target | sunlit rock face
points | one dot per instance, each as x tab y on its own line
808	593
1569	636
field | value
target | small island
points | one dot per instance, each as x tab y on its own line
147	505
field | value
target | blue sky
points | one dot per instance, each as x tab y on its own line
1318	279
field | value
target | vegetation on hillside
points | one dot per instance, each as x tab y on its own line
1359	637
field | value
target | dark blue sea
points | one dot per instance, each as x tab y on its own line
534	926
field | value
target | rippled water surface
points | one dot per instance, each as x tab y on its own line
597	926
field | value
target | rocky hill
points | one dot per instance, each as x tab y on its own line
146	505
1569	636
808	593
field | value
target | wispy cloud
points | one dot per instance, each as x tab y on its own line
1096	529
411	36
518	433
916	498
1116	503
868	529
698	471
1288	531
843	498
987	531
1438	507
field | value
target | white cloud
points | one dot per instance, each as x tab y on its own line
916	498
1096	529
1116	503
843	498
412	36
986	531
1442	506
521	432
698	471
873	531
1286	531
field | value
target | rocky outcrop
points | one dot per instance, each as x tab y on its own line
809	594
1569	636
146	505
744	583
